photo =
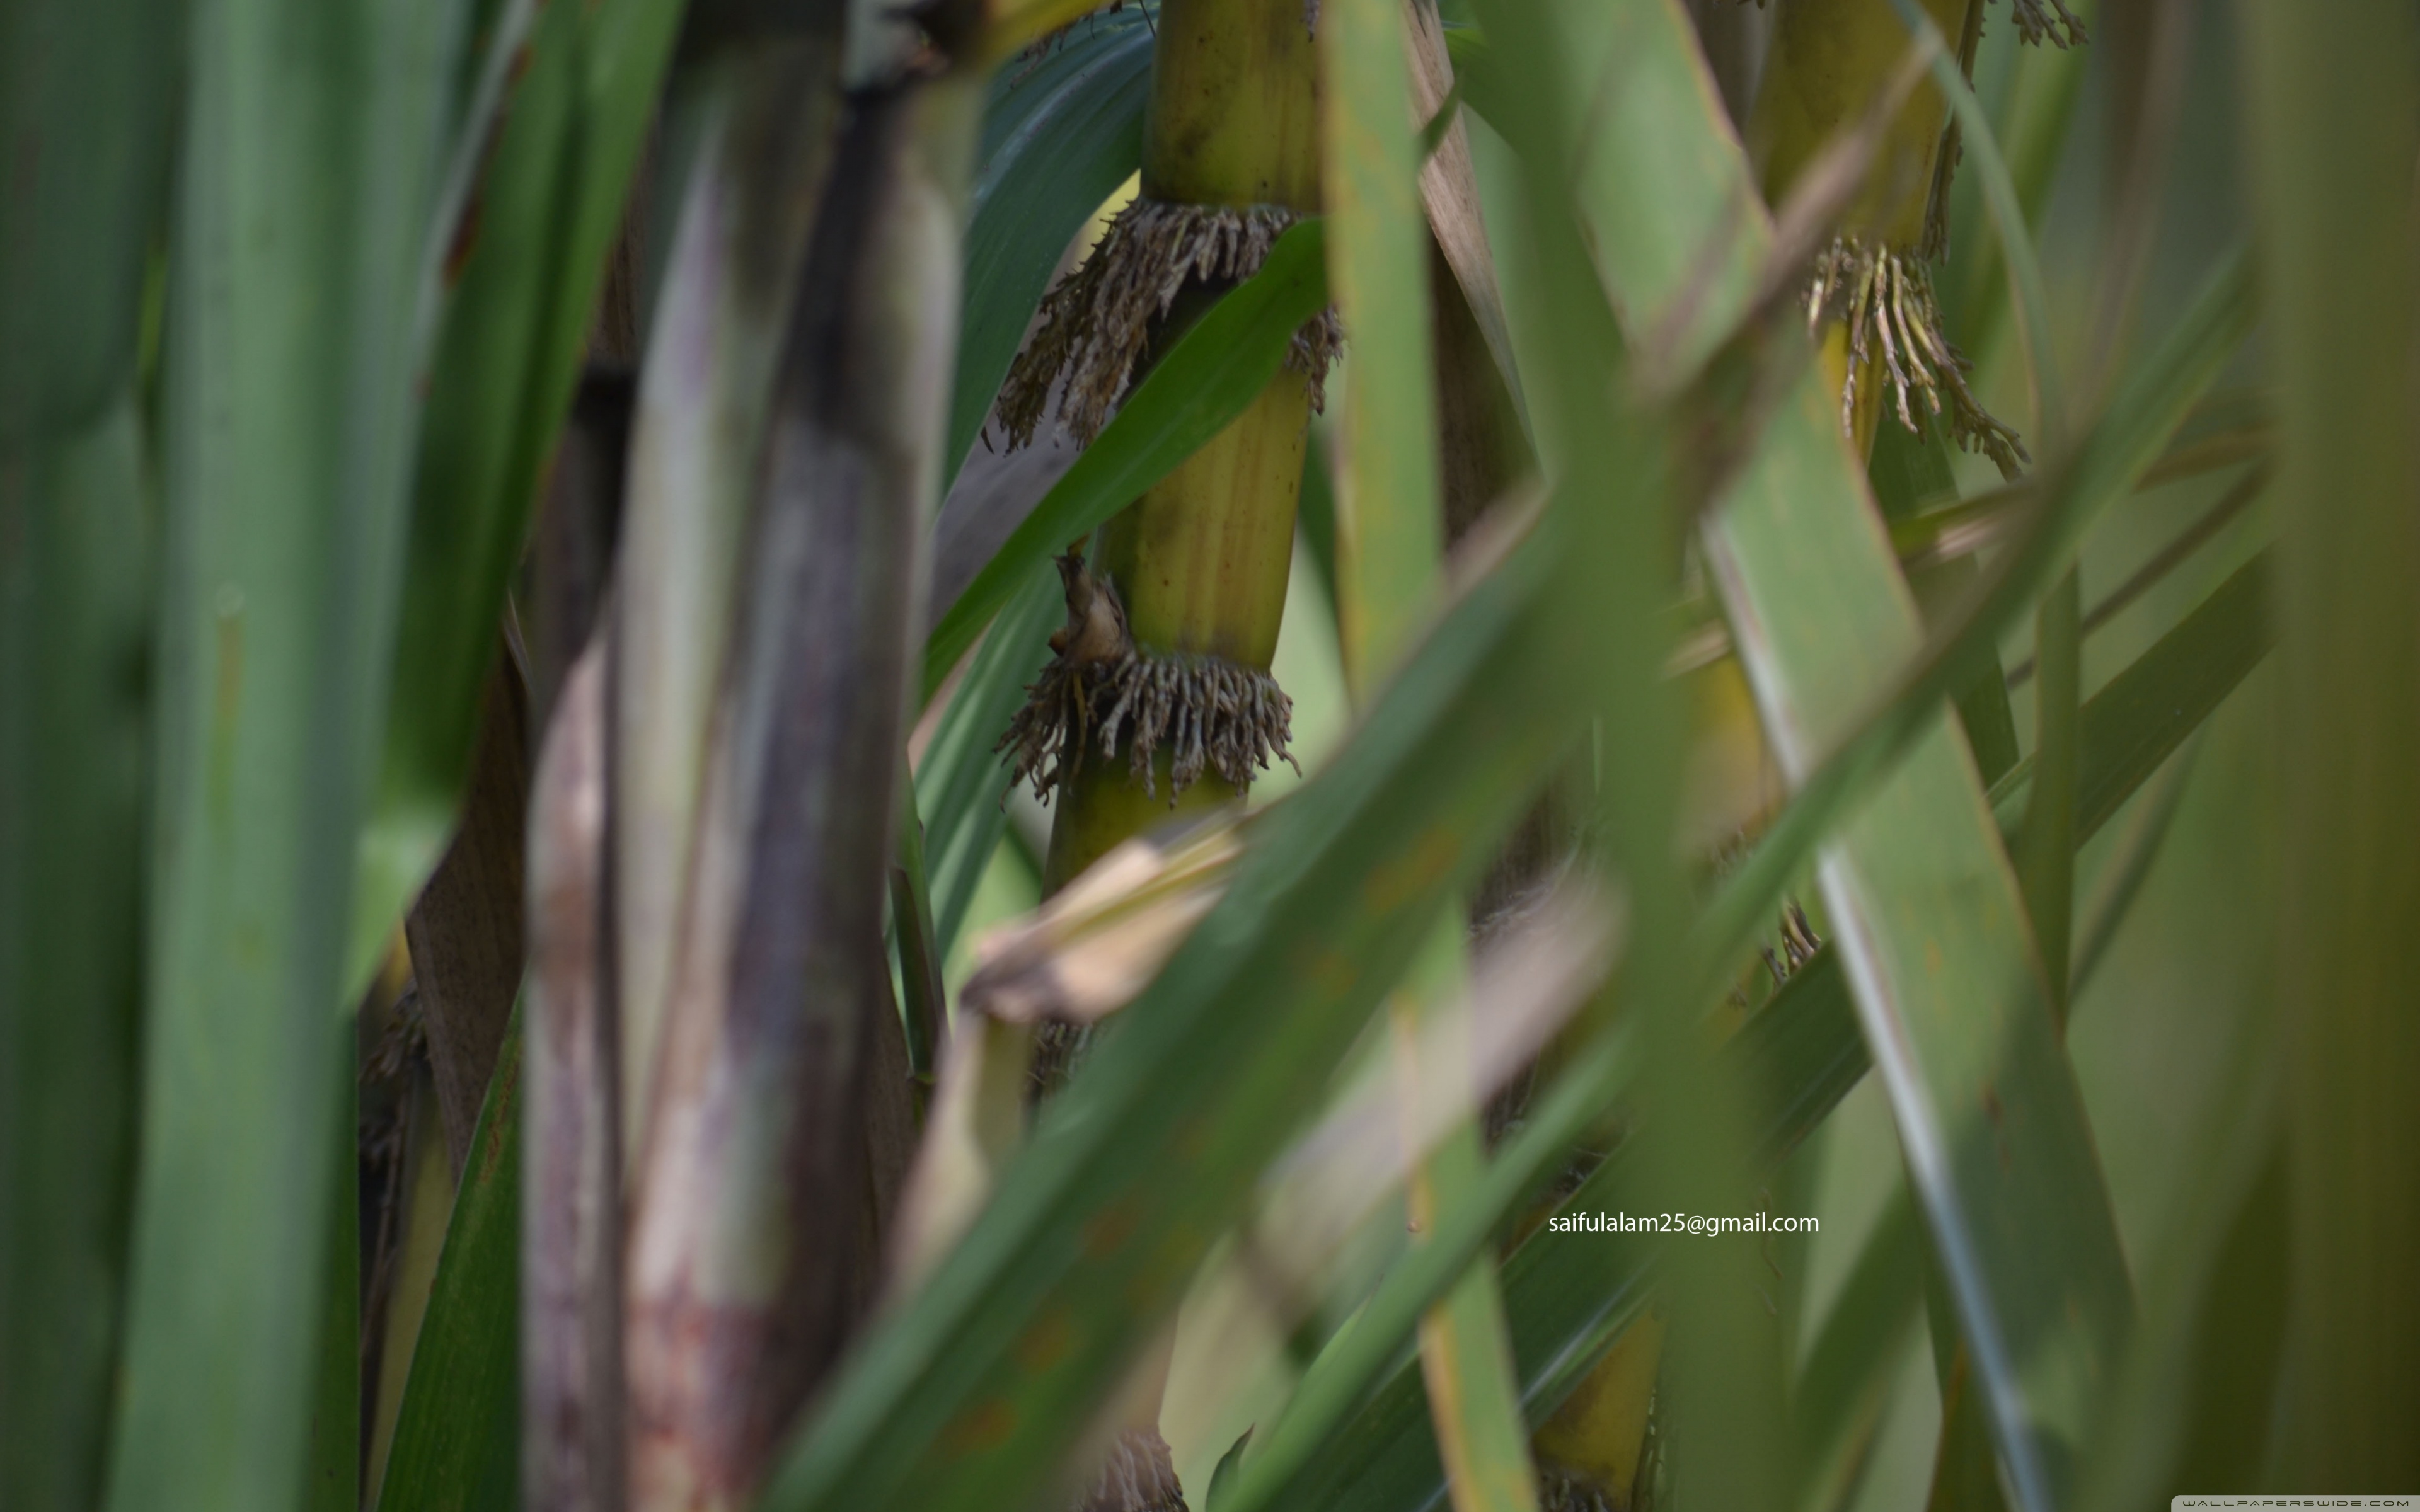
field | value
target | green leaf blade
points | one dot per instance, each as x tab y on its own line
1059	137
1086	1243
456	1443
310	139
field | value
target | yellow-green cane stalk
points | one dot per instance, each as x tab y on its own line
1160	696
1870	298
1160	679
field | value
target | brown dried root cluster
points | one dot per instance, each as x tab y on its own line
1138	1477
1211	714
1565	1490
2036	24
1885	297
1097	321
1058	1048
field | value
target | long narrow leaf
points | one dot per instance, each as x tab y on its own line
2331	144
75	561
309	163
1389	551
962	783
1565	1306
974	1389
1924	903
457	1444
2129	729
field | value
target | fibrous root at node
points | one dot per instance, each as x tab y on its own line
1096	323
2054	23
1139	1475
1101	689
1885	297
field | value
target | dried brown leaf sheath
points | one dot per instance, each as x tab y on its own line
572	1395
1096	323
465	929
1212	714
751	1260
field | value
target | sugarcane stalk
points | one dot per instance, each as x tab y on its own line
1869	300
774	1139
1159	701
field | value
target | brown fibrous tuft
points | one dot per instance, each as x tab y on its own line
1139	1475
1566	1491
1096	322
1213	714
1059	1047
2036	24
1885	297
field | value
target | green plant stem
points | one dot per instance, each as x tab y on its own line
2047	858
1201	559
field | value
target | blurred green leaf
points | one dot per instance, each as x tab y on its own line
1315	511
1910	474
1843	1387
976	1387
2046	854
311	137
1207	379
1060	134
87	103
2194	1401
962	783
75	624
1920	894
2331	140
521	272
1389	522
333	1480
2129	729
1222	1475
923	1004
1568	1298
1388	542
2129	865
458	1434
